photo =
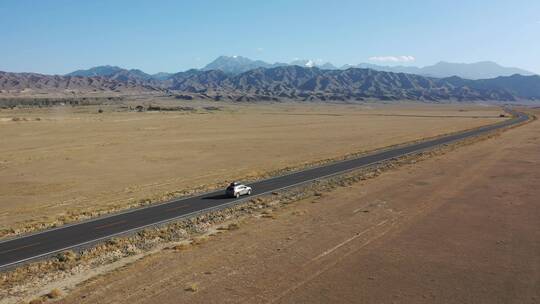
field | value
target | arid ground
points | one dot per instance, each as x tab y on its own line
457	228
60	161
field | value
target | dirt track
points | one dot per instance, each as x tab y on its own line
459	228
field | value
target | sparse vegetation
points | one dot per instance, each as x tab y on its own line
146	239
192	287
165	108
181	247
233	226
268	214
199	240
174	232
54	294
67	256
129	190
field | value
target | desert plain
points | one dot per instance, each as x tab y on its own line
458	227
60	164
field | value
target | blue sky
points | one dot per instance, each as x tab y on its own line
57	37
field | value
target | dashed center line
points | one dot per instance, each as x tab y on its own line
176	208
109	225
19	248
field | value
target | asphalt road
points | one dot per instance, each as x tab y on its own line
39	245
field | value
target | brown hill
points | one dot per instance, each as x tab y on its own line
287	82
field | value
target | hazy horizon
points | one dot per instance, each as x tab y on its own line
58	37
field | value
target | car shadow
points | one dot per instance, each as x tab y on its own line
217	196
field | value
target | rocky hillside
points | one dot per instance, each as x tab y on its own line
296	82
290	82
24	82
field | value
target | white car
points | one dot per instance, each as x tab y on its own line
237	189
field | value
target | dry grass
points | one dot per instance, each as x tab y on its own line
173	232
54	294
78	164
229	227
192	287
268	214
181	247
299	212
200	240
67	256
233	226
327	224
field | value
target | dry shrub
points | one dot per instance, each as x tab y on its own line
268	214
113	241
67	256
193	287
54	294
200	240
233	226
180	247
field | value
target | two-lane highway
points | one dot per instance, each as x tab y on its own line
45	243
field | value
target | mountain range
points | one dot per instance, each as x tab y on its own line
117	72
479	70
235	65
288	82
238	64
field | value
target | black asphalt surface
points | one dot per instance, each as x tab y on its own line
43	244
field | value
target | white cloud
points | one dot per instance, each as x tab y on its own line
260	50
392	58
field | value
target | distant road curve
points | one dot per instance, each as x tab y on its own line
46	243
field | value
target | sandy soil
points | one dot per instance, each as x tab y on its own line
74	159
457	228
